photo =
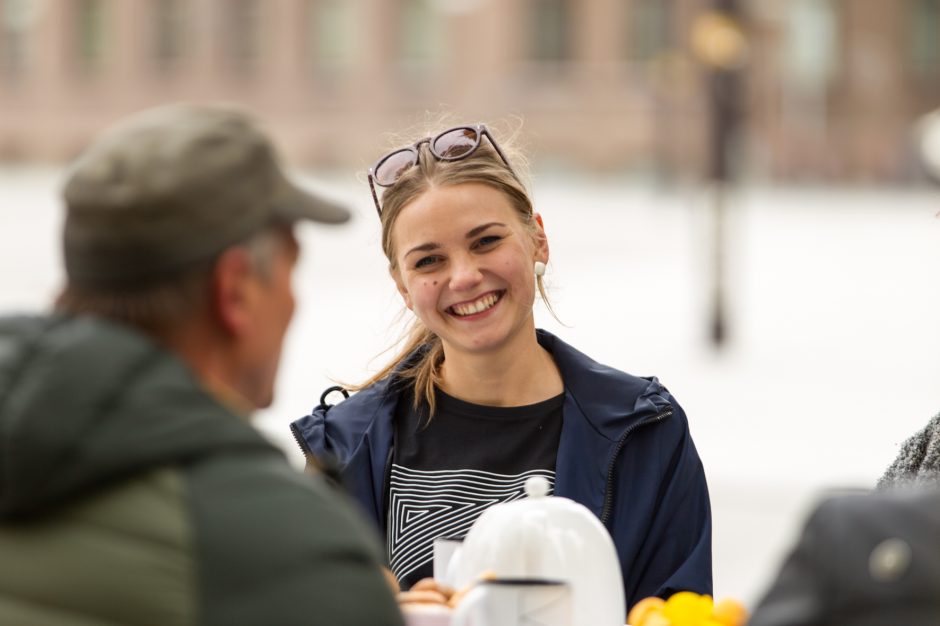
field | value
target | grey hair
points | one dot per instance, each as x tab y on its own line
154	307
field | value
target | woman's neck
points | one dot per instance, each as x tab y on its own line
517	374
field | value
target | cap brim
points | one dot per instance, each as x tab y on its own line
300	204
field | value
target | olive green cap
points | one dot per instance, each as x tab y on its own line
173	186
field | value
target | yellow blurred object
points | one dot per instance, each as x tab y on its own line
686	608
730	612
641	611
718	40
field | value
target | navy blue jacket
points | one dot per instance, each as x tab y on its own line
625	453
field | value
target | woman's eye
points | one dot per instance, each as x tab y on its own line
488	240
425	262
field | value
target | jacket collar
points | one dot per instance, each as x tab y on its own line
608	399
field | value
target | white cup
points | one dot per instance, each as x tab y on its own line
516	602
444	550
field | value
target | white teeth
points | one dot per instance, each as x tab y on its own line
476	307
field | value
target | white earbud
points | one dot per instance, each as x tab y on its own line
539	268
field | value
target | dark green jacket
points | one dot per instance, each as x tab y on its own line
130	496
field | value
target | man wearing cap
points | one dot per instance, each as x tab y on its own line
133	490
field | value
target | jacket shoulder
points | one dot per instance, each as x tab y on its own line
881	513
602	390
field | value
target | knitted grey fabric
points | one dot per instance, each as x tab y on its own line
918	462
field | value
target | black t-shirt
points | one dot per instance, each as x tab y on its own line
446	472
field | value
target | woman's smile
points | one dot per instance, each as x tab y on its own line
475	308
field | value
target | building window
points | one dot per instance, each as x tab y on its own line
550	35
647	29
89	41
420	44
924	37
168	37
242	35
16	19
331	32
811	46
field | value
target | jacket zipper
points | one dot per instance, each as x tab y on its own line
608	490
385	489
308	453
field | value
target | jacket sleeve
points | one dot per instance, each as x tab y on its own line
275	547
799	595
310	434
664	527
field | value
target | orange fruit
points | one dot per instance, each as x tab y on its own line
730	612
656	619
642	610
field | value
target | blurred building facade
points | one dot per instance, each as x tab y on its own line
831	87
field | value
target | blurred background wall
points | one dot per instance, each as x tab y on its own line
829	88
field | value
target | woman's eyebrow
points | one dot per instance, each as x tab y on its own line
425	247
473	232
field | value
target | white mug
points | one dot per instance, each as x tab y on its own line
516	602
444	550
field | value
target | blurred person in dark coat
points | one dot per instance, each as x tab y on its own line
862	560
133	490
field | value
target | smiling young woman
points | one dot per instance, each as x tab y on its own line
479	400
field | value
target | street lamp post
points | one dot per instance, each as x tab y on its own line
719	43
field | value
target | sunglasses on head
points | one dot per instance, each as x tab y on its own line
453	144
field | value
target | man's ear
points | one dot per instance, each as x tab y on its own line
400	285
231	298
541	240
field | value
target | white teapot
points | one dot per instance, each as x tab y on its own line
550	538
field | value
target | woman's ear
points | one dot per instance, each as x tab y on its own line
541	240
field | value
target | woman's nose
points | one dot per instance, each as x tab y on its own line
465	274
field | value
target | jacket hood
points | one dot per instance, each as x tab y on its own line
84	403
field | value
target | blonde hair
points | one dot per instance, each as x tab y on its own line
483	166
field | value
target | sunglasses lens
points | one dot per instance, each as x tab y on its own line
455	144
393	166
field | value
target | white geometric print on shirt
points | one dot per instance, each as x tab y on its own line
425	505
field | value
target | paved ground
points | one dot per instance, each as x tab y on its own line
832	359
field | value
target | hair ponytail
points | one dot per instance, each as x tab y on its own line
427	351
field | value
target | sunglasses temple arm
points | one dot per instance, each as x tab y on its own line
375	197
499	151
